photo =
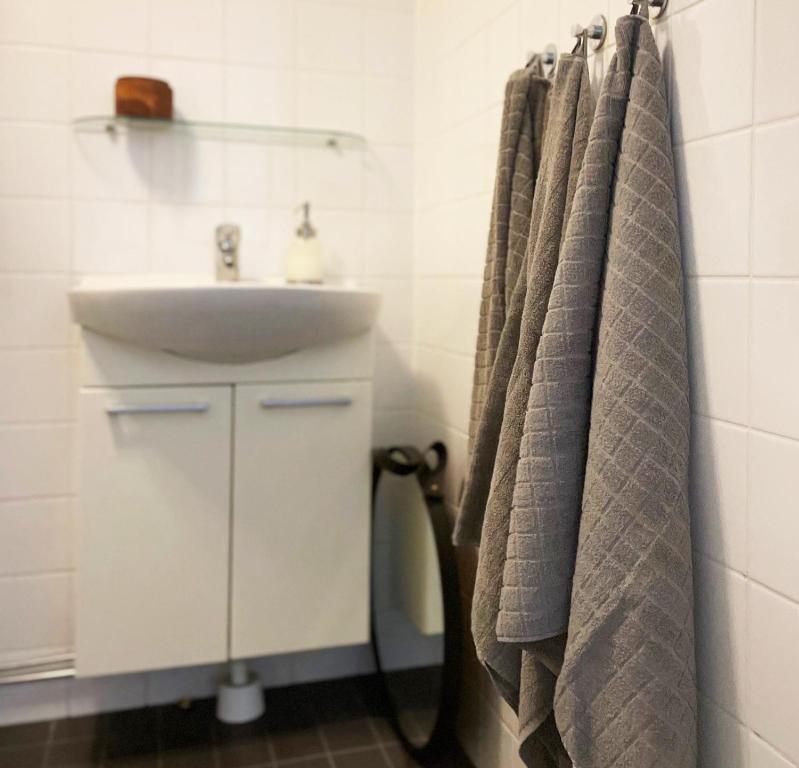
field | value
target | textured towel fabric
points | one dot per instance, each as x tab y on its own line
525	677
626	695
523	123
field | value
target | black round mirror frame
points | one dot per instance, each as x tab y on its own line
405	461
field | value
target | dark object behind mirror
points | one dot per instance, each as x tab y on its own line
416	628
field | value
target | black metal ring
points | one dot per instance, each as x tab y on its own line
429	469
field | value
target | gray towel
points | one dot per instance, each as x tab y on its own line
523	122
526	678
626	694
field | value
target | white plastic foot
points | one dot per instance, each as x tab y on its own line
240	698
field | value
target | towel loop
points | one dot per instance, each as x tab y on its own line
548	58
596	32
642	8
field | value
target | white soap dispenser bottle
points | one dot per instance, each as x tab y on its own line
304	261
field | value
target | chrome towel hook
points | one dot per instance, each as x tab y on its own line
596	32
548	58
642	8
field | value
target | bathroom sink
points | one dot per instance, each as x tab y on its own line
241	322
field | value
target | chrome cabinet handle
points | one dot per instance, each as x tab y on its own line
317	402
120	410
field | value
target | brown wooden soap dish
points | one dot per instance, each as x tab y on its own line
143	97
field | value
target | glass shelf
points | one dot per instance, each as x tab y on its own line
261	134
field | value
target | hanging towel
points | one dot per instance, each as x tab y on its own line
526	677
626	695
523	122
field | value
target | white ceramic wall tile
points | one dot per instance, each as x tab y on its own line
393	387
109	237
446	313
93	76
715	227
706	99
36	536
39	609
33	311
387	244
42	22
34	84
718	345
330	179
340	235
196	86
505	51
36	461
257	174
718	491
774	369
182	239
774	669
186	28
762	755
89	695
329	101
328	36
111	169
265	238
186	170
108	25
388	43
773	523
387	110
254	95
720	606
36	386
35	235
722	738
260	32
776	166
388	178
777	63
33	160
394	321
444	385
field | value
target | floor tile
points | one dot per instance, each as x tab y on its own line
348	734
195	757
28	733
74	754
245	753
299	743
78	728
28	756
364	758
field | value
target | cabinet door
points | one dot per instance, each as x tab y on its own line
154	503
301	517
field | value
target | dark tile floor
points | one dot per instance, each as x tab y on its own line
324	725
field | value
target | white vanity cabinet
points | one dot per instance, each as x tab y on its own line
224	510
300	517
153	530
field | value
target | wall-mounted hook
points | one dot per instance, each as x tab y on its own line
647	8
596	32
549	57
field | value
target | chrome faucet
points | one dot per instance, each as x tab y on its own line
228	237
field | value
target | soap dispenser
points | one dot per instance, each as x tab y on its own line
304	262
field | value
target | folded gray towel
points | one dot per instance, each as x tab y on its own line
626	695
526	678
523	122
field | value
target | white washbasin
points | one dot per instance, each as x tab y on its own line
240	322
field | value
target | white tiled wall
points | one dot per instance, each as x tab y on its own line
735	96
78	203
